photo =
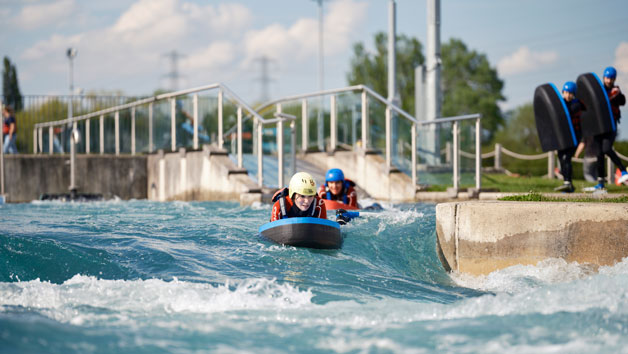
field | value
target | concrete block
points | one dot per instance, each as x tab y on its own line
478	237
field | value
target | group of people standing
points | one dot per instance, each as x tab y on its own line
603	143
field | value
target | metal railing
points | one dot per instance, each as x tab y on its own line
223	93
391	108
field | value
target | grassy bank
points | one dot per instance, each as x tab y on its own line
522	184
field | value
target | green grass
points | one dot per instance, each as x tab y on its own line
523	184
538	197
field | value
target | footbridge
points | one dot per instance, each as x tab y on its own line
206	143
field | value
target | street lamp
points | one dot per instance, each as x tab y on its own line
75	136
320	124
71	53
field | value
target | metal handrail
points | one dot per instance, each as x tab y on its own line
155	99
390	107
341	90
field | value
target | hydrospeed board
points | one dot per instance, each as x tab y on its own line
303	232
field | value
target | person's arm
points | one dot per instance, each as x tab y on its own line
579	149
353	197
322	193
323	209
276	212
616	97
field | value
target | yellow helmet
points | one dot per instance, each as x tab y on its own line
302	183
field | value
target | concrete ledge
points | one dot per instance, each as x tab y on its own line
478	237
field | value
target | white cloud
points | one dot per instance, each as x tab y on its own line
299	42
621	64
524	60
218	43
216	56
40	15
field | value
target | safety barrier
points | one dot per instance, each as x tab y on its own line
365	142
550	156
367	96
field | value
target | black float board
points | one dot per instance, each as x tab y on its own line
553	123
304	232
598	118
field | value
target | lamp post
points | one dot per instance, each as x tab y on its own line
320	123
71	53
75	136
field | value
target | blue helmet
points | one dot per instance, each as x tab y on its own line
610	72
333	175
570	87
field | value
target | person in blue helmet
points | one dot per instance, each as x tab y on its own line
605	141
575	108
338	188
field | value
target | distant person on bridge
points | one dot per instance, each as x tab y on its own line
338	188
298	200
605	141
9	130
575	109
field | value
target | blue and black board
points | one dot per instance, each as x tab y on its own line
304	232
598	117
553	122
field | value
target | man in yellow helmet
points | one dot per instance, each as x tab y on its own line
298	200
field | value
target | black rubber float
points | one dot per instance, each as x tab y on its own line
304	232
553	122
598	118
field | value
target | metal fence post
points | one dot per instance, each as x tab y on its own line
151	146
388	137
116	119
550	164
478	154
498	156
133	130
195	123
293	148
34	141
102	134
220	139
50	140
239	136
87	136
414	157
41	140
260	153
365	120
333	128
304	126
456	159
173	124
279	149
609	170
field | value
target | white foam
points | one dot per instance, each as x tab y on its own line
124	299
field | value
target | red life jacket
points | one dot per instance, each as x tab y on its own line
347	194
285	208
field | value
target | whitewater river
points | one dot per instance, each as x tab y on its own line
149	277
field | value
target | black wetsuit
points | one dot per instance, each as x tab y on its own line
575	108
605	141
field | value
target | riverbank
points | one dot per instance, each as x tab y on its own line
479	237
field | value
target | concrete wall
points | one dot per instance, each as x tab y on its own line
369	172
478	237
29	176
199	175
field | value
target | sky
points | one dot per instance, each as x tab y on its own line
124	45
